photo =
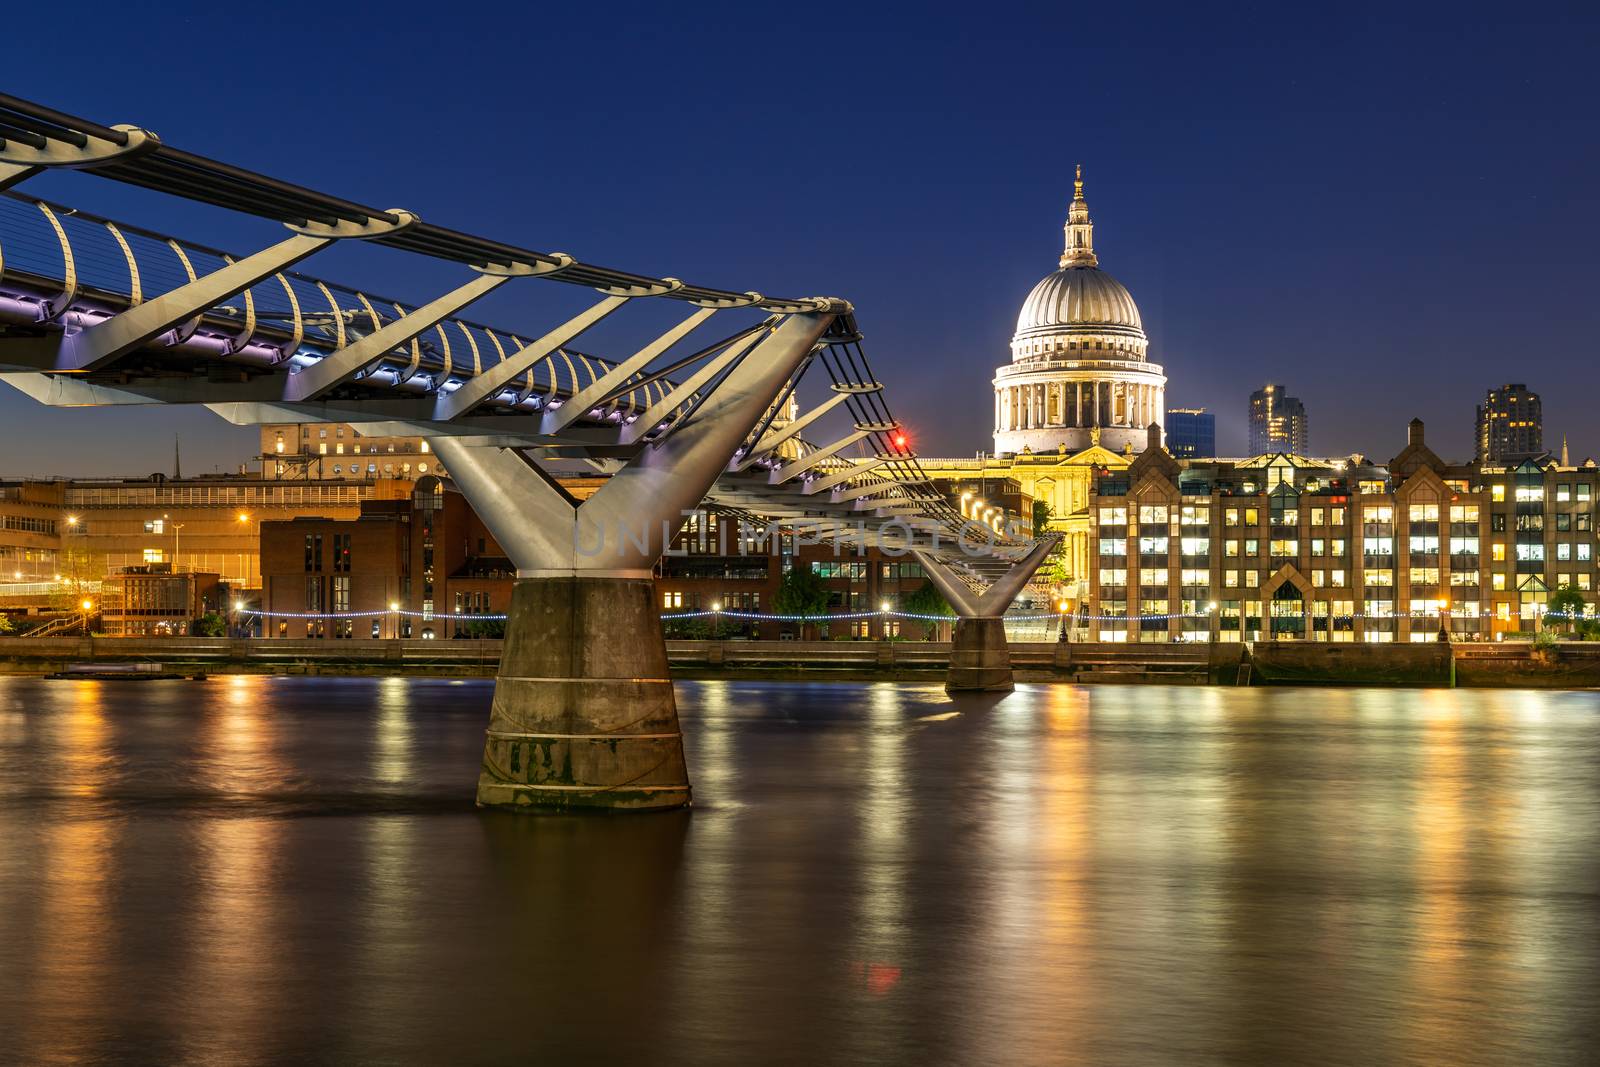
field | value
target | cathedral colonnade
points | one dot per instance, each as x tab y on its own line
1079	404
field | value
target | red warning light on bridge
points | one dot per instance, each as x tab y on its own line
900	441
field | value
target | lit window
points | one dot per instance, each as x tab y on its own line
1497	492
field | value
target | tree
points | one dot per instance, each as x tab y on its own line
801	592
1043	515
927	600
1567	605
81	574
5	625
210	625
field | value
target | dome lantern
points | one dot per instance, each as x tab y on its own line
1079	229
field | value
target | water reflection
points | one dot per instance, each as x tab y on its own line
259	870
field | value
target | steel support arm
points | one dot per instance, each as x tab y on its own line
20	161
992	602
623	529
856	492
339	367
574	408
817	485
481	387
685	392
798	467
675	474
97	346
773	438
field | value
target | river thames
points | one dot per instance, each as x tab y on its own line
268	870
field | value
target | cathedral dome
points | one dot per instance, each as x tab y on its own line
1078	375
1079	300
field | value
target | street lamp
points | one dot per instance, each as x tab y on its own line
87	606
244	573
176	545
394	611
1061	609
1211	611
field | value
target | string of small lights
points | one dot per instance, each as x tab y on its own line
756	616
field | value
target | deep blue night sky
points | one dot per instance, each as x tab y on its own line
1387	211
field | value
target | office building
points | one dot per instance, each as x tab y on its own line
1191	433
1277	423
1510	425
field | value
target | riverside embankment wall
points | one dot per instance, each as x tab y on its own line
1511	664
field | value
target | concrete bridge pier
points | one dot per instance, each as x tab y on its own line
583	713
980	659
584	716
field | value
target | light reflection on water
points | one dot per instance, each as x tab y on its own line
257	870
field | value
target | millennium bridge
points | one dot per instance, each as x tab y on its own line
100	312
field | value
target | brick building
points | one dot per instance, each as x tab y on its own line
1283	547
419	562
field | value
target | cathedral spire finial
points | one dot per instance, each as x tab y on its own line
1079	251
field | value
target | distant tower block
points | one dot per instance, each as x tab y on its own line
1277	422
1510	425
